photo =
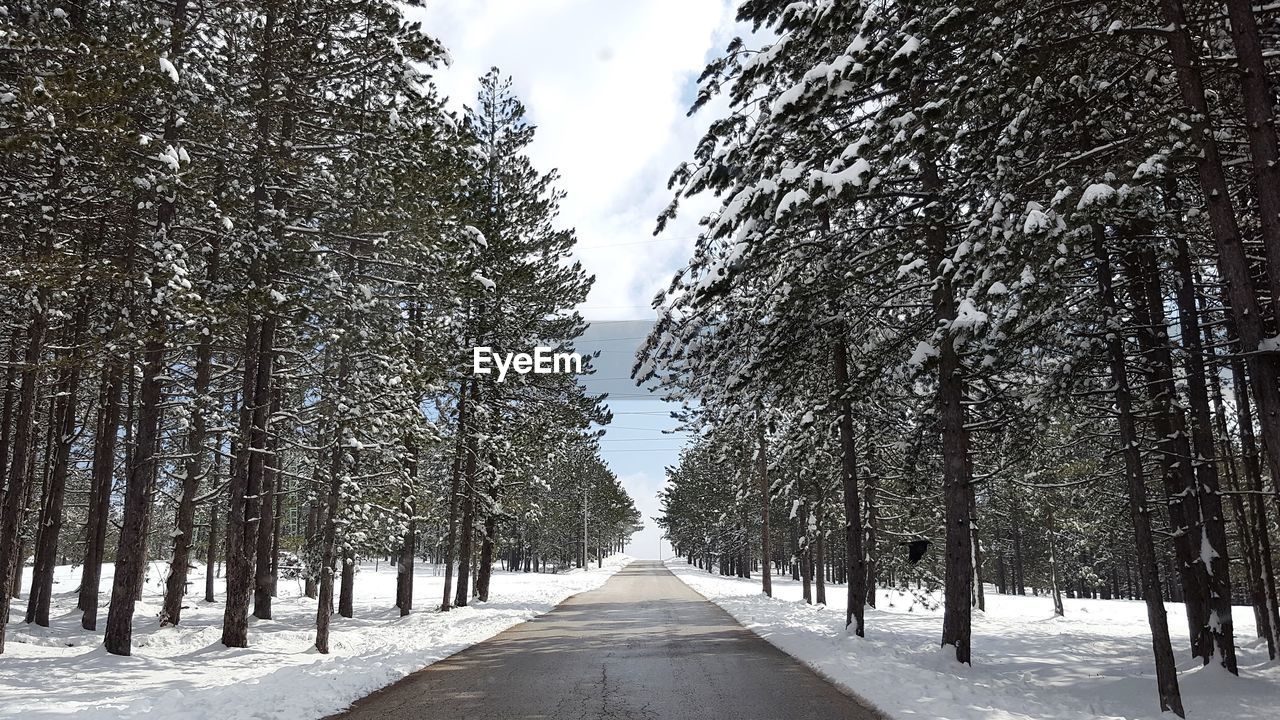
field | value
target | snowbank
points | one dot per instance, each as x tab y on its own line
186	673
1094	664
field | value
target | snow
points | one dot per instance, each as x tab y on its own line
968	316
1093	664
476	236
909	48
185	673
1094	194
852	175
1037	221
167	68
786	99
790	201
922	353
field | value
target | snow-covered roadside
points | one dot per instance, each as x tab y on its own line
1094	664
186	673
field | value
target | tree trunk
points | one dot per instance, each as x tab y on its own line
465	389
854	559
468	522
103	470
820	580
804	555
1053	563
1233	264
241	537
762	470
211	552
328	542
873	518
1257	507
1178	476
1205	461
264	577
409	546
1148	570
485	571
957	481
11	555
193	475
131	551
6	414
347	593
63	422
1259	126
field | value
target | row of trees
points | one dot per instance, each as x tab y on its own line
982	269
246	252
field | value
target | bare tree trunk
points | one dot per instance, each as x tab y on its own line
485	569
1257	507
455	488
978	598
11	555
328	542
6	414
803	557
241	538
63	422
1259	113
409	546
1054	585
766	550
1148	570
264	578
104	461
211	552
131	551
1177	475
193	475
820	580
311	586
467	530
1233	264
1205	461
873	517
347	592
854	558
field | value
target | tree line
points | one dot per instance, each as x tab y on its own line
246	251
1003	278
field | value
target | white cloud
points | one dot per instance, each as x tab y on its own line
608	85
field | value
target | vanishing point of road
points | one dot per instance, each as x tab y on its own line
643	646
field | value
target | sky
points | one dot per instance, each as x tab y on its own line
608	85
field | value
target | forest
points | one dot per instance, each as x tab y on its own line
246	250
989	296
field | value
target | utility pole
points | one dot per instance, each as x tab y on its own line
584	527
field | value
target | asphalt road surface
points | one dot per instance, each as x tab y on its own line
643	646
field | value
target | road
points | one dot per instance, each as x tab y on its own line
643	646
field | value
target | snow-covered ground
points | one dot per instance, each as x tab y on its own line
1093	664
186	673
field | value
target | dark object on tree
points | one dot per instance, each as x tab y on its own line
916	550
